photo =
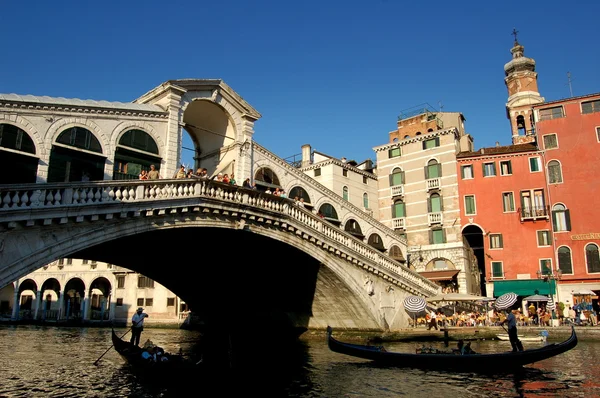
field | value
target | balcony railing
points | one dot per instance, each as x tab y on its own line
432	183
398	223
534	212
435	218
397	190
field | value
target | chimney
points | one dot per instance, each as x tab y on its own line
497	143
306	158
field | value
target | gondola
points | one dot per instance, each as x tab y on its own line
133	355
496	362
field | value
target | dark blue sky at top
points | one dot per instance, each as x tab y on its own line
332	74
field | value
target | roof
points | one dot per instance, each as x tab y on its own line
34	99
543	104
499	150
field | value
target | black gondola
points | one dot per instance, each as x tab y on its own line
496	362
133	355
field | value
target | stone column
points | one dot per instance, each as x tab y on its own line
61	300
84	306
16	303
38	301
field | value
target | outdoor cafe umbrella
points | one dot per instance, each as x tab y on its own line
414	305
550	305
537	298
454	297
506	301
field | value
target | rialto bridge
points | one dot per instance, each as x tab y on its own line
234	254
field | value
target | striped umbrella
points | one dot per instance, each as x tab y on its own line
414	304
506	301
550	304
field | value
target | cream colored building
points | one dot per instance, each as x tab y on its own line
418	195
76	289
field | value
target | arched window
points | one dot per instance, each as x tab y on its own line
406	136
365	200
140	140
80	137
592	258
564	260
397	177
561	219
136	151
429	130
12	137
328	212
554	172
376	242
353	228
399	209
521	125
418	133
434	204
396	254
299	192
266	178
433	169
345	193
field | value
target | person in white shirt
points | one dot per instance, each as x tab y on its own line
137	326
432	320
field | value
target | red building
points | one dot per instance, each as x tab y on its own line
568	133
527	209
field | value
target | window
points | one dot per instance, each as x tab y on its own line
435	203
565	264
84	262
505	168
433	169
533	204
470	209
508	201
398	209
543	238
496	241
437	236
598	133
61	261
317	172
546	266
466	172
550	141
149	302
394	152
69	261
119	302
93	265
140	302
592	258
345	172
345	193
366	200
440	264
144	281
561	219
590	106
554	172
120	281
397	177
489	169
534	165
432	143
365	180
497	271
170	301
110	266
551	113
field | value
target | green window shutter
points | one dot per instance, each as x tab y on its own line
430	237
424	144
462	172
441	203
437	141
439	169
391	178
500	239
483	168
568	219
402	177
429	204
554	222
443	236
426	172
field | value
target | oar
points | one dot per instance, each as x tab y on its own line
111	346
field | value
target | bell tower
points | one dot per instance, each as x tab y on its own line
521	82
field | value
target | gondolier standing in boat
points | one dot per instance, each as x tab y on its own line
511	320
137	326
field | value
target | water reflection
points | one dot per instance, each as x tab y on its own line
58	362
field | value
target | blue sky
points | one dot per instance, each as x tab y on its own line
332	74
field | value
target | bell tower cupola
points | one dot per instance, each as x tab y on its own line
521	82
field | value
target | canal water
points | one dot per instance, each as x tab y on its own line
38	361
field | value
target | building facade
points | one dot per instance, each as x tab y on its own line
418	195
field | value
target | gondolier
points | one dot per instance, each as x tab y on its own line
511	320
137	326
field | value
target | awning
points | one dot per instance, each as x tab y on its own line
525	287
445	275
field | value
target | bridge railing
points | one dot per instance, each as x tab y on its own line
16	198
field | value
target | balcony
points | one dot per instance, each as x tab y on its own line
534	213
435	218
432	183
398	223
397	190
